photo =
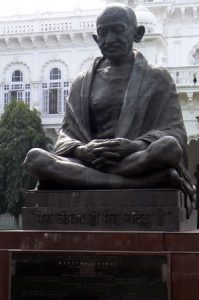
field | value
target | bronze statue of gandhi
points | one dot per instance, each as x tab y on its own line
123	126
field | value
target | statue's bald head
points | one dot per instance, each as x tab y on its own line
116	31
119	11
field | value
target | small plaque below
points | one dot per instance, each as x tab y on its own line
42	276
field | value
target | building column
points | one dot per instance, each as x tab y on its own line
2	98
36	95
190	99
195	12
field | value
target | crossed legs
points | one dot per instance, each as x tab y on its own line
146	168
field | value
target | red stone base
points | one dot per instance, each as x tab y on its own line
181	249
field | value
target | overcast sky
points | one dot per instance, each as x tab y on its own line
13	7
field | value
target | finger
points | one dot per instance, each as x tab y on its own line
100	141
106	163
99	166
100	150
111	155
109	162
109	143
97	161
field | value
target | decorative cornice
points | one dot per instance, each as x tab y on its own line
183	11
45	40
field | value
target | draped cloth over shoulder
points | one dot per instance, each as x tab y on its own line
150	108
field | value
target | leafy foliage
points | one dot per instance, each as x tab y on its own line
20	130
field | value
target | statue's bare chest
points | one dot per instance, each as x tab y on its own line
107	94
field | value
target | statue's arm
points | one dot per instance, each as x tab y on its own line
168	121
70	135
165	120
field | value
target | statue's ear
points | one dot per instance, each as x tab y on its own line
95	37
139	34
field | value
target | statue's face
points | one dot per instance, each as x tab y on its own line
115	35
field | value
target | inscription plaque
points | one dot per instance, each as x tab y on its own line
93	210
42	276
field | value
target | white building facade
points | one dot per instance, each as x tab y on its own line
40	56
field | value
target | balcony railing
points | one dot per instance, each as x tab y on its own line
67	24
185	76
158	1
171	1
186	1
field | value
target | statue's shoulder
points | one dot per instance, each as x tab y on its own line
154	71
80	77
160	73
77	82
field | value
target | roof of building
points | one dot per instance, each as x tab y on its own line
145	16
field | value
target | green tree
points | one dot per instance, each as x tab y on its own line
20	130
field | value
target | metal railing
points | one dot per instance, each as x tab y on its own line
185	76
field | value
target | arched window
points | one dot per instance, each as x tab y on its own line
18	89
55	91
55	74
17	76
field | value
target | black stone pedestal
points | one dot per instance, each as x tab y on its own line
115	210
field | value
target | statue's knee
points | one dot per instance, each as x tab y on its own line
173	146
166	152
31	158
172	151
